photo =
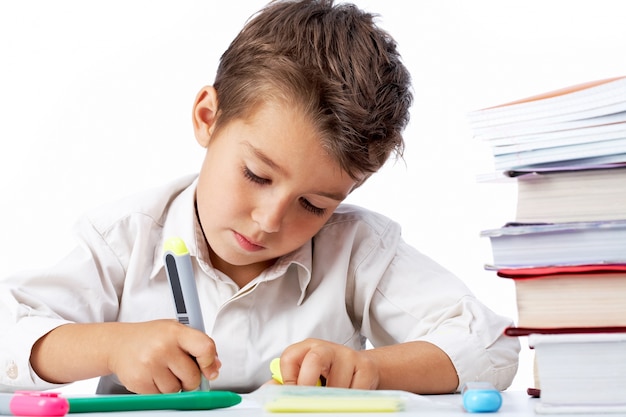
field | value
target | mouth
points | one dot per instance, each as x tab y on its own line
247	244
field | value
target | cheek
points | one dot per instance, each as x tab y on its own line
220	195
303	227
228	200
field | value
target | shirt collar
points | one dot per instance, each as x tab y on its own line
179	222
301	260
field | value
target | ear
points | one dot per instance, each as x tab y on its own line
204	115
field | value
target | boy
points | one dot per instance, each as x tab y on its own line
309	100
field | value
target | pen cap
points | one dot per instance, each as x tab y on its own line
176	246
33	403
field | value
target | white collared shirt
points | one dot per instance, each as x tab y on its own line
356	280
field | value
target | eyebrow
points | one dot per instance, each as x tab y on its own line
269	162
264	158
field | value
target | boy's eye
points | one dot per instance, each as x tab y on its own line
310	207
306	204
251	176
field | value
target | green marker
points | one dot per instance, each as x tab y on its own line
192	400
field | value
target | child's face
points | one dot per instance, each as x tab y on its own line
265	188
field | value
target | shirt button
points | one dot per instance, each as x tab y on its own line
12	370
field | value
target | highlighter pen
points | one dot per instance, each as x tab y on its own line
194	400
181	278
33	403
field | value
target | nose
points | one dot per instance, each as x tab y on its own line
270	215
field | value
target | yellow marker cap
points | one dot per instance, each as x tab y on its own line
275	369
175	245
277	376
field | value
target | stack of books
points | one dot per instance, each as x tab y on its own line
565	250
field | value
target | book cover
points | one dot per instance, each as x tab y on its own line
605	151
542	140
557	244
516	331
515	133
538	272
570	164
510	175
586	100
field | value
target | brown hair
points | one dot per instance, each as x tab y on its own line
334	62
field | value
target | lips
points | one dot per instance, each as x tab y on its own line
247	244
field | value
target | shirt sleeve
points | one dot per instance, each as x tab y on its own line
406	296
80	288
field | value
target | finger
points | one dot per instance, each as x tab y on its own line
340	374
186	370
317	362
145	386
289	371
161	380
201	347
139	382
209	366
301	363
167	384
290	363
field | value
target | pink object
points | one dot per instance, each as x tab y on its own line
35	403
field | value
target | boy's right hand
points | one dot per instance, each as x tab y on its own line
158	356
147	357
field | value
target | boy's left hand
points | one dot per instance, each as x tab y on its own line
303	363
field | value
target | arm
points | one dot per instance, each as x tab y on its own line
116	250
429	331
418	366
148	357
417	299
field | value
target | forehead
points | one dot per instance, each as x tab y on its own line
282	131
287	127
284	140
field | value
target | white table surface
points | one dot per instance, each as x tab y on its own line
514	403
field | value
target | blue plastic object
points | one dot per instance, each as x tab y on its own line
481	397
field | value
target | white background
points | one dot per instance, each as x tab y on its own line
95	103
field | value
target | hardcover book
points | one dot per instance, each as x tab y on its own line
581	373
587	296
557	244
